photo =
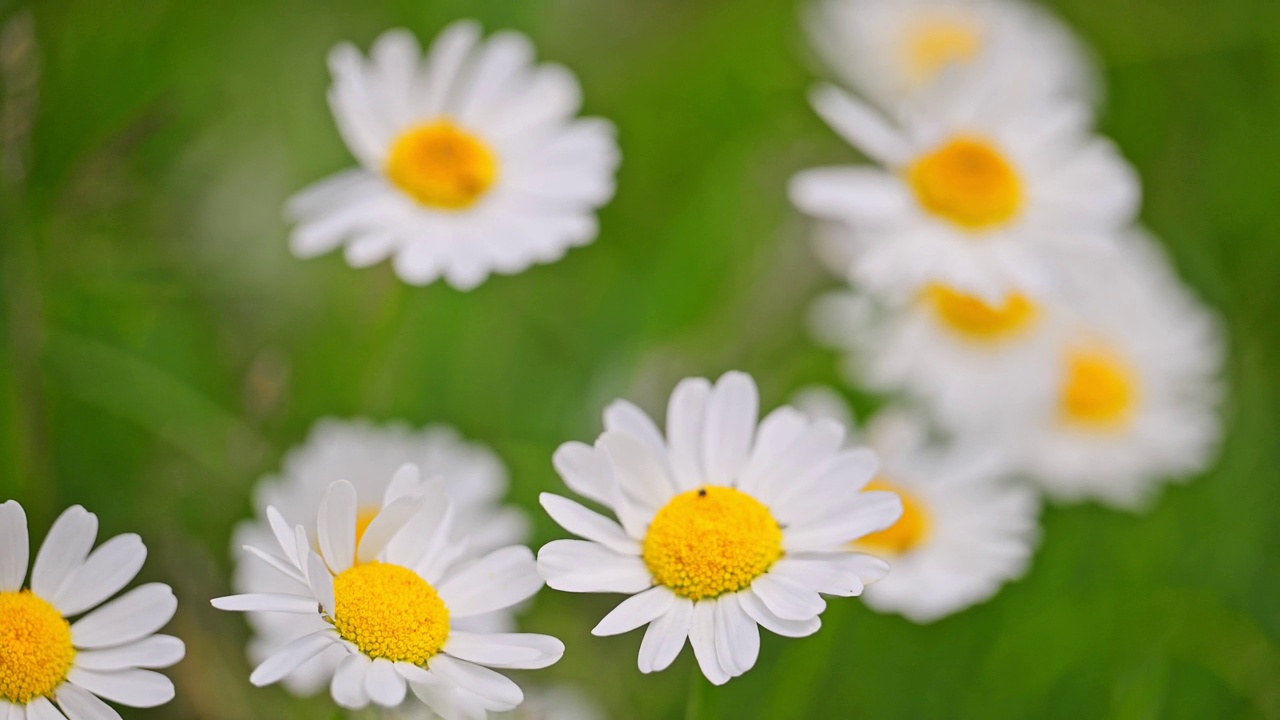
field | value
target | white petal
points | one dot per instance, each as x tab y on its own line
811	498
809	455
268	602
636	611
134	688
384	684
492	75
730	426
523	651
622	416
586	471
685	417
384	528
157	651
702	636
582	566
737	636
830	574
291	657
861	126
336	526
103	574
284	534
14	549
443	63
41	709
780	429
786	599
665	637
406	481
281	565
860	196
499	580
587	524
321	584
347	687
641	476
80	704
13	711
65	549
496	691
872	512
132	616
442	696
758	611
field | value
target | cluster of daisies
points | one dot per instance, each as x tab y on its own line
1032	337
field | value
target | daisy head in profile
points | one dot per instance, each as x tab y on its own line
54	665
891	51
974	191
390	595
471	160
722	525
369	455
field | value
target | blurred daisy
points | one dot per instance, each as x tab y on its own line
976	191
368	455
1134	397
890	51
390	597
52	668
965	530
472	161
724	526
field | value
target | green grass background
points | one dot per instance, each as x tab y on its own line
161	348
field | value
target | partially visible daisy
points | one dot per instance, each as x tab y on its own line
390	599
472	161
891	51
1134	398
723	526
53	668
976	190
966	529
368	455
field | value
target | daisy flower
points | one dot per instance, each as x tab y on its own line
1133	400
966	530
556	702
723	526
390	599
891	51
976	190
53	667
471	160
368	455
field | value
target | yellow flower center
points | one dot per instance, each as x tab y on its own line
390	612
937	42
442	166
969	182
35	647
1100	389
907	534
711	541
977	319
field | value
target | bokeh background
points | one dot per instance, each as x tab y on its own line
161	349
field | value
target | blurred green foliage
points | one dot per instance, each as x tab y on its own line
161	349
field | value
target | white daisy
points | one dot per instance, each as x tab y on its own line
966	530
555	702
391	597
890	51
53	668
1133	400
368	455
976	190
472	161
723	526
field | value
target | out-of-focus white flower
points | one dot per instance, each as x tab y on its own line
472	161
367	456
1137	382
890	51
966	530
723	526
107	654
389	596
554	702
975	191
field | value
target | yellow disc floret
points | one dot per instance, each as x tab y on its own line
907	534
936	42
969	182
711	541
35	647
977	319
390	612
1099	390
442	166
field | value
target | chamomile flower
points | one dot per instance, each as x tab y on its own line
966	529
976	191
53	666
368	455
390	599
472	161
891	51
1134	398
722	527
